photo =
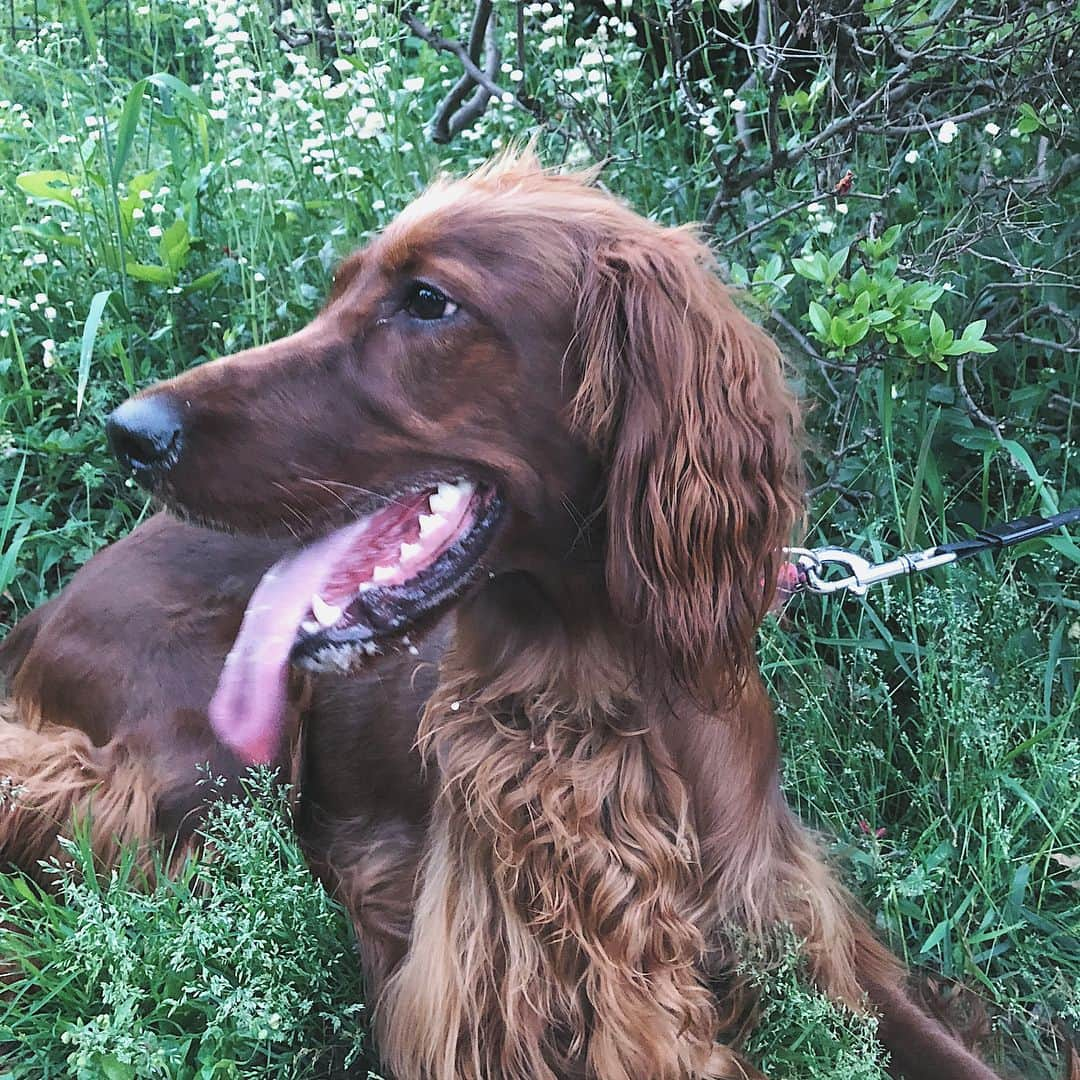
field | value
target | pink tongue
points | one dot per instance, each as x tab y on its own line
247	711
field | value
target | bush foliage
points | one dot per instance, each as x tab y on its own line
892	185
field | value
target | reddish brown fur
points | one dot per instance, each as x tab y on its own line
106	720
608	806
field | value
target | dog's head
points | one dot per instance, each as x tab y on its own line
520	373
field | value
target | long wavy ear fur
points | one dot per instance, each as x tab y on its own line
686	401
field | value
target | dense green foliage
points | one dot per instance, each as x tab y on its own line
177	181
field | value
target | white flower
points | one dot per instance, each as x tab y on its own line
90	121
413	84
911	157
193	22
574	74
738	105
378	204
144	194
157	208
992	129
137	214
335	92
516	75
841	208
48	348
826	226
50	313
507	98
732	7
947	132
41	298
710	131
40	258
155	231
814	208
258	276
729	93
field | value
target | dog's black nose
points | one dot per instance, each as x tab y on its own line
145	435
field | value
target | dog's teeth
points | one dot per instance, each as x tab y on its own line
383	573
449	497
410	551
430	522
327	614
310	626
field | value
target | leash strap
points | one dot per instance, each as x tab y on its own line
810	566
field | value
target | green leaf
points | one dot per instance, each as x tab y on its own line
156	275
857	331
93	321
819	318
125	130
164	81
808	268
959	348
837	262
51	185
174	245
86	24
937	329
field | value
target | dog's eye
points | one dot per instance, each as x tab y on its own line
426	302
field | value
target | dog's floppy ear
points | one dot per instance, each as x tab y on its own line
685	400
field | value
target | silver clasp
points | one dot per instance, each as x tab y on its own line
813	564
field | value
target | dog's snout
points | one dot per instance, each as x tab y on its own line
145	435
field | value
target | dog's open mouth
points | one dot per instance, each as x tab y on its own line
349	596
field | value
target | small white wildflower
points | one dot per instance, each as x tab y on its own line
516	75
378	204
507	98
911	157
137	214
992	129
729	93
413	84
948	286
336	92
947	132
826	226
738	105
258	276
193	22
155	231
157	208
144	194
710	131
40	298
40	258
90	121
815	208
841	207
49	313
48	351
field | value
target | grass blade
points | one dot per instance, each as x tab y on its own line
93	321
125	130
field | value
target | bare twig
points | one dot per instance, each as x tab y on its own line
456	113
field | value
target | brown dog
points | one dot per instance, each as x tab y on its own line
531	406
109	685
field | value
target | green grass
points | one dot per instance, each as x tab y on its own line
157	211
